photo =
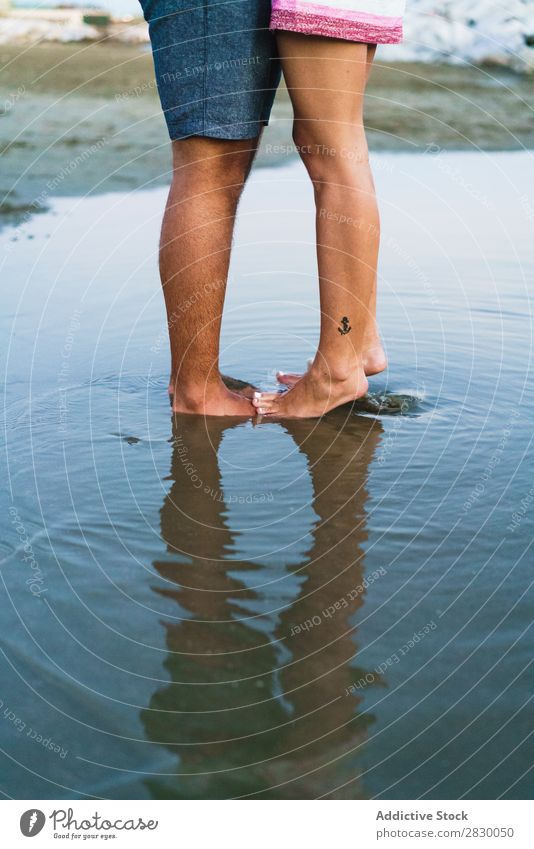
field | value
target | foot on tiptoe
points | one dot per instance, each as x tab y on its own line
317	392
374	361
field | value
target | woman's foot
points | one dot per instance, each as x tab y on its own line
374	361
315	394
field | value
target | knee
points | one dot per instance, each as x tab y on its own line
213	165
332	154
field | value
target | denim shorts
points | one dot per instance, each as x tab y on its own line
216	65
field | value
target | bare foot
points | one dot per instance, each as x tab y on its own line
374	361
212	400
312	396
240	387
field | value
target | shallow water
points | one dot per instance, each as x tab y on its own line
336	608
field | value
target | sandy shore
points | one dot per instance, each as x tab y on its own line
85	118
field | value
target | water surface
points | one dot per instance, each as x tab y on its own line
215	608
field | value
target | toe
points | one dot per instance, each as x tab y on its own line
265	397
287	379
265	406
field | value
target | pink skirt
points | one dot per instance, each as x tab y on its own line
370	21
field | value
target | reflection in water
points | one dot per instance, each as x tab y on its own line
262	704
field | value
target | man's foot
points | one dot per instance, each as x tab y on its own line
374	361
210	400
312	396
236	387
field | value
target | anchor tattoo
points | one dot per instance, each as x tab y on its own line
345	326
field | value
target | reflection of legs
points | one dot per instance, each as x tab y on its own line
328	726
326	79
216	708
196	238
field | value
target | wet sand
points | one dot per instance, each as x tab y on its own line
85	119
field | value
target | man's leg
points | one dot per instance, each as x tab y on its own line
196	239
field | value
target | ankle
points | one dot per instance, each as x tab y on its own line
335	371
193	395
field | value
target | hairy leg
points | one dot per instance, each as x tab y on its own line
326	79
196	240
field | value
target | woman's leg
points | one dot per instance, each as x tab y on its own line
326	80
374	358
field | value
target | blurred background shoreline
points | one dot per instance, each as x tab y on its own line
80	113
455	31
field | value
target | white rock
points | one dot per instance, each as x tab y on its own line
28	31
